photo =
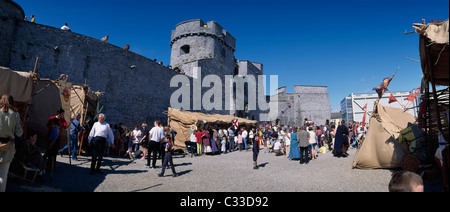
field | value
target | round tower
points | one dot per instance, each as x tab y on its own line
10	15
206	45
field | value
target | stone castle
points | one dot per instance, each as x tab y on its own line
136	89
132	95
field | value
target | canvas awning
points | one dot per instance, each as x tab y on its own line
434	51
17	84
181	121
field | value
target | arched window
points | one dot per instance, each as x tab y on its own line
184	49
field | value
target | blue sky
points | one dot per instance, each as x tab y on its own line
349	46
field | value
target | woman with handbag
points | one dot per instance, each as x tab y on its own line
10	126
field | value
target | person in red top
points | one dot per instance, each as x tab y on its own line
62	122
319	133
199	135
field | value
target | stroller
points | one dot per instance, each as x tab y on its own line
191	147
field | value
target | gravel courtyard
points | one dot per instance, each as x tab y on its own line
230	172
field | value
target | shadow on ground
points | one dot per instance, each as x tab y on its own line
71	178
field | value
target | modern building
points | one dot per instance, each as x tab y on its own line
352	106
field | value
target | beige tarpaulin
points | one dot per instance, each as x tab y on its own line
45	97
83	101
381	148
436	32
49	97
181	121
17	84
46	101
434	51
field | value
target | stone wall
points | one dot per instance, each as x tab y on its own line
314	103
136	88
10	15
311	102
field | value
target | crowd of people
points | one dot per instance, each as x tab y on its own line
150	144
293	142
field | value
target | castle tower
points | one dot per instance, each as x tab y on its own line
206	45
10	14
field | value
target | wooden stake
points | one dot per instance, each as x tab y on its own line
412	59
35	65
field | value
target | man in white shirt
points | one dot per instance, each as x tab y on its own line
100	136
66	28
155	136
244	137
278	148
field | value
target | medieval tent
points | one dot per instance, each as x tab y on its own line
41	98
381	148
433	113
17	84
182	121
434	58
49	96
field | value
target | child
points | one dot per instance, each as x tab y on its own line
168	157
255	153
240	141
224	142
404	181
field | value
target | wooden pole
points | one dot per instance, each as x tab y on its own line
84	119
433	85
412	59
35	65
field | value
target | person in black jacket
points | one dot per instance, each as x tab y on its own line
168	156
341	141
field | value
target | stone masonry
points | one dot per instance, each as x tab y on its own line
311	102
132	83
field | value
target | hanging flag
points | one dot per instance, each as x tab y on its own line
235	123
392	99
412	96
383	86
379	91
364	117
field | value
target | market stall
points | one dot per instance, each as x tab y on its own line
433	114
184	121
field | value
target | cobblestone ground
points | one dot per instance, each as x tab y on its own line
230	172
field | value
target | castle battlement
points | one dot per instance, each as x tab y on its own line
197	27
